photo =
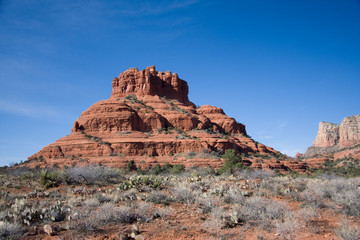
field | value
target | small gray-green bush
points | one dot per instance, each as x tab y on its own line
10	230
347	231
158	197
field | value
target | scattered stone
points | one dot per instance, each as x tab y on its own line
48	229
134	228
139	237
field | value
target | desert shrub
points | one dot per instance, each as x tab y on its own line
344	192
198	173
234	195
131	166
299	184
125	214
10	230
75	201
103	198
131	97
308	214
254	174
18	171
106	213
215	220
282	186
190	154
219	189
144	212
161	212
199	186
142	182
205	153
158	169
3	215
92	175
89	219
315	193
232	161
287	227
85	221
49	179
140	171
117	195
346	167
158	197
206	171
263	212
206	204
91	203
221	218
177	169
349	200
346	231
313	197
183	195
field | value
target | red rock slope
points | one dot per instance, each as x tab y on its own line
149	119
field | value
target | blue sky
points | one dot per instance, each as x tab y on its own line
277	66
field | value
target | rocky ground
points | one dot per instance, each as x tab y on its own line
168	202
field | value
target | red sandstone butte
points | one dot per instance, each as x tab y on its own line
149	119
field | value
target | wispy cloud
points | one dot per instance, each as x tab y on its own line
31	110
282	124
148	8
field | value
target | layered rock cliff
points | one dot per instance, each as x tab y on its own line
333	138
350	131
328	135
150	82
149	119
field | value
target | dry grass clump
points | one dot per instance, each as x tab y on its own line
10	230
216	219
288	226
158	197
89	219
184	195
337	190
347	231
263	212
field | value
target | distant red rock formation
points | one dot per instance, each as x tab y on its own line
149	119
328	135
298	155
349	131
335	141
345	134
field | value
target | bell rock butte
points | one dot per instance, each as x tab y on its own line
149	119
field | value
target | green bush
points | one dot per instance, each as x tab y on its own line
131	97
177	169
131	166
50	179
157	169
232	161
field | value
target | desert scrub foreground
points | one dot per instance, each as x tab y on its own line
171	202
